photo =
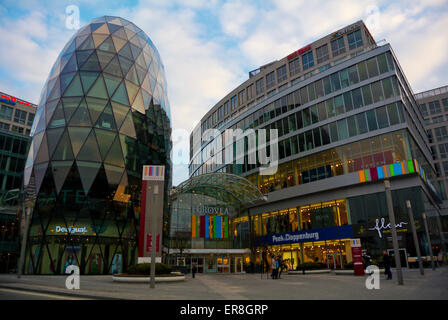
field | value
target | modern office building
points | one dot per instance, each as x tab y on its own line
16	118
103	114
346	119
434	108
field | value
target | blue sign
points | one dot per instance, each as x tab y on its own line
331	233
7	101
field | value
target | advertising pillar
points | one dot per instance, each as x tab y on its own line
151	209
358	266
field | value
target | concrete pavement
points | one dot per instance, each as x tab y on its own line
433	285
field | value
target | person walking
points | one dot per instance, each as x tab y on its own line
274	268
386	261
281	265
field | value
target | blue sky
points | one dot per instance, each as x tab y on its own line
209	46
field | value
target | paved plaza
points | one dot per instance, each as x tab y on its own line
433	285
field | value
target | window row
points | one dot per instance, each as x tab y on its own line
20	116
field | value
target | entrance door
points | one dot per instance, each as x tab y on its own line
238	264
223	265
403	257
198	264
334	260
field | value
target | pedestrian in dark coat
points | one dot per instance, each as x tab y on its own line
386	261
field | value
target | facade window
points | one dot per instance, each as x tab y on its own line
30	119
443	150
270	80
6	112
20	116
322	54
354	40
17	129
338	46
294	67
4	126
250	92
434	107
226	108
445	104
259	86
307	60
241	97
429	134
233	103
441	134
220	114
445	168
281	73
437	119
423	110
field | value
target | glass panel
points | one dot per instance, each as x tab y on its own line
113	174
377	91
381	116
60	171
114	67
64	149
87	173
339	105
95	106
105	139
327	85
106	119
77	137
75	88
306	117
362	71
89	151
87	79
393	114
92	64
357	98
353	75
342	129
128	126
322	111
387	86
352	128
333	132
335	83
362	123
53	136
382	63
372	67
344	78
348	101
120	112
371	120
115	156
367	95
120	95
81	116
107	45
330	108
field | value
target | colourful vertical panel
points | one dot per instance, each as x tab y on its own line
397	168
218	227
222	227
215	228
202	226
207	227
391	170
374	174
362	177
403	167
380	172
226	229
411	166
197	226
193	226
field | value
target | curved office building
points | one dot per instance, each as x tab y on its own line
346	119
103	114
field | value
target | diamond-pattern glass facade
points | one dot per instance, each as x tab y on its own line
103	114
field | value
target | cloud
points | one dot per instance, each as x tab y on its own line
235	16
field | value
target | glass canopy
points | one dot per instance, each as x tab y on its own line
229	188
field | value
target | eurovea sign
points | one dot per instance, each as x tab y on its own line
298	52
4	98
331	233
211	210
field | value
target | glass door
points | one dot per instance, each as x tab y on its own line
210	264
334	260
223	264
238	264
403	257
198	264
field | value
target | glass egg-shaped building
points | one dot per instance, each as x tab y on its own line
103	114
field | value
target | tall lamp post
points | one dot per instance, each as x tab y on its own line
390	209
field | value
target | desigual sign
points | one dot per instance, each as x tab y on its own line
71	230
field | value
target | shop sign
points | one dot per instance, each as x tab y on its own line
212	210
298	52
381	226
321	234
12	100
71	230
345	30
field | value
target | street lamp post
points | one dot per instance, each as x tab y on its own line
429	241
153	237
26	214
414	234
390	209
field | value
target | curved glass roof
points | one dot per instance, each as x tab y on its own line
229	188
